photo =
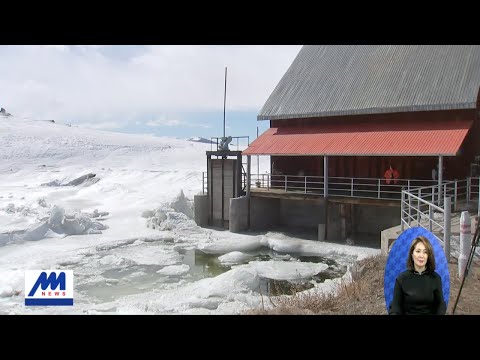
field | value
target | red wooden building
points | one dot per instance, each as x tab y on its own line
346	113
366	107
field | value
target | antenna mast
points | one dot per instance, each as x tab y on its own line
224	101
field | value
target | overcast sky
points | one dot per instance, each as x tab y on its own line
166	90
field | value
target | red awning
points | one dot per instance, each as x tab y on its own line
387	139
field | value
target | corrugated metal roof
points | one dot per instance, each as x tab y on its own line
331	80
387	139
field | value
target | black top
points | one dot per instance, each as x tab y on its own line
418	293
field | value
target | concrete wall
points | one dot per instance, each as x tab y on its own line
362	223
267	213
264	213
303	213
338	217
238	214
201	209
344	220
371	219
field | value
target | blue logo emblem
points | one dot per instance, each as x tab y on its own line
49	288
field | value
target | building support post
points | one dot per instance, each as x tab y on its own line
210	187
249	174
325	176
440	178
325	196
447	223
223	192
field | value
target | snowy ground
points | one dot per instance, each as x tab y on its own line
116	209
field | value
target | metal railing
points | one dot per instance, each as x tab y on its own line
417	211
466	190
431	209
337	186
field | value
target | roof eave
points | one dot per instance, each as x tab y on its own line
390	155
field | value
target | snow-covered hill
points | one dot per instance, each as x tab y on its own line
116	209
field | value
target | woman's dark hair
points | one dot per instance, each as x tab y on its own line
430	266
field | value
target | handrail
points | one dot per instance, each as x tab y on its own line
412	214
337	186
453	192
458	190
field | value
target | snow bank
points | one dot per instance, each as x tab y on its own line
54	221
179	213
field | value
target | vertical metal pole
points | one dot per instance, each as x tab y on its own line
418	209
305	184
478	206
248	175
378	184
234	178
430	217
440	179
258	162
444	191
351	187
248	189
446	227
468	189
455	196
239	174
224	101
210	188
465	242
409	209
223	192
402	209
325	176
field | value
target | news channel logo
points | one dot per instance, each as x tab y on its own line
49	288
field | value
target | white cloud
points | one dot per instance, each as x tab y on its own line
158	123
174	122
102	125
104	83
57	47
